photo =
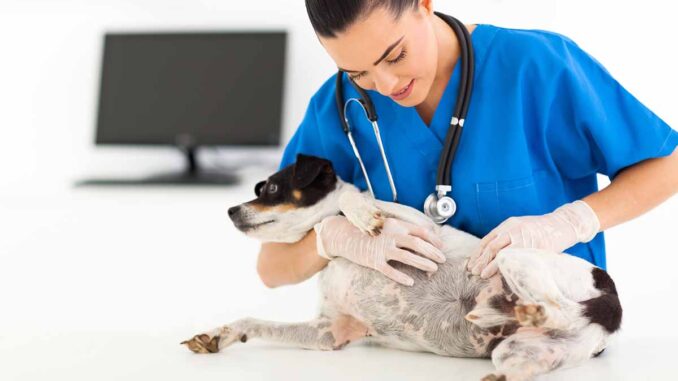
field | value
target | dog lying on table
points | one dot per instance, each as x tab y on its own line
541	311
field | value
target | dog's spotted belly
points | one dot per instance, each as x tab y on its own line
429	316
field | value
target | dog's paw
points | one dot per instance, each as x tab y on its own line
213	342
362	213
203	343
494	377
530	315
369	222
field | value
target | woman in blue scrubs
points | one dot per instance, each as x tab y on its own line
545	118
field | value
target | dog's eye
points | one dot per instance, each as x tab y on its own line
272	188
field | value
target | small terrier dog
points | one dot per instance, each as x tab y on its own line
541	311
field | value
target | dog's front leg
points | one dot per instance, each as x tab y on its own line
322	333
368	214
361	211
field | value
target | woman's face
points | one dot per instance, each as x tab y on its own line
397	58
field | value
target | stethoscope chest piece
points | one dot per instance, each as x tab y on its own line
439	209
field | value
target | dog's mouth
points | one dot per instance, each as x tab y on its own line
253	226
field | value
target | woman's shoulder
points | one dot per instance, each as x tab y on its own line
529	38
531	44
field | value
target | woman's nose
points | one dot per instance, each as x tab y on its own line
385	83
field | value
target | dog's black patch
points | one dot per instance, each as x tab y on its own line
504	331
604	310
509	329
603	281
312	177
493	344
504	302
499	303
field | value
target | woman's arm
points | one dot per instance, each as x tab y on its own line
636	190
289	263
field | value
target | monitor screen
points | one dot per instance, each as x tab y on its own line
192	89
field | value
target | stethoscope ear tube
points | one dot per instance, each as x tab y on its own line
339	99
366	101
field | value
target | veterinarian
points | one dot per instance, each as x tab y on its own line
544	118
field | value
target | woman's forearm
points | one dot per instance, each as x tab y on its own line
636	190
289	263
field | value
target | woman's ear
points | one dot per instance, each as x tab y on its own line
426	7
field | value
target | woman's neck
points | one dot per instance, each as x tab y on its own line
448	55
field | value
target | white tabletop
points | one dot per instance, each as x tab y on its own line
103	283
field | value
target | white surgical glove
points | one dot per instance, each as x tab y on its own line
337	237
556	231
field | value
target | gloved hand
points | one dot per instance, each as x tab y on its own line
570	224
337	237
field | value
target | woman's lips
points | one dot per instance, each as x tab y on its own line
404	93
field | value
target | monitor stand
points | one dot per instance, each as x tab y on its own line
192	175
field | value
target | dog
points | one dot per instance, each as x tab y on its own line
541	311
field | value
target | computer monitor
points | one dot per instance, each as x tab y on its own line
190	90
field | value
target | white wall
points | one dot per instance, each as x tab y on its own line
51	52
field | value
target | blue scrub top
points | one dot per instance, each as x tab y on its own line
545	117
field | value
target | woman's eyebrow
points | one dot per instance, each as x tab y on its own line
388	50
386	53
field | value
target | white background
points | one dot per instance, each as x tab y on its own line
104	283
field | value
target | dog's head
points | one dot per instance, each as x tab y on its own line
290	201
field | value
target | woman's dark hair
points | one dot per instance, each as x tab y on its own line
330	17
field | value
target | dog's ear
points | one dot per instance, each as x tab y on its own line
257	188
308	168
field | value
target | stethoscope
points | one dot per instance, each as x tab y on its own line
438	205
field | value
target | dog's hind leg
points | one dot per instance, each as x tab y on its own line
534	351
529	273
322	333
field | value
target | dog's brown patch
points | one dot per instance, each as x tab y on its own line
277	208
530	315
296	194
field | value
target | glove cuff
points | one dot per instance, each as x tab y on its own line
582	218
319	243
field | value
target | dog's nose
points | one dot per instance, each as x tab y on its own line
232	211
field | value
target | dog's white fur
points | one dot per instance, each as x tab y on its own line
549	329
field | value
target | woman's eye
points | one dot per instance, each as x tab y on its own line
356	77
402	55
272	188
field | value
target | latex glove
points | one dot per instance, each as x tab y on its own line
337	237
556	231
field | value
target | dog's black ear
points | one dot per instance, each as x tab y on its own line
308	168
257	188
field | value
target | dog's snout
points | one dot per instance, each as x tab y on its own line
233	211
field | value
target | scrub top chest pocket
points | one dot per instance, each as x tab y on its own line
498	200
